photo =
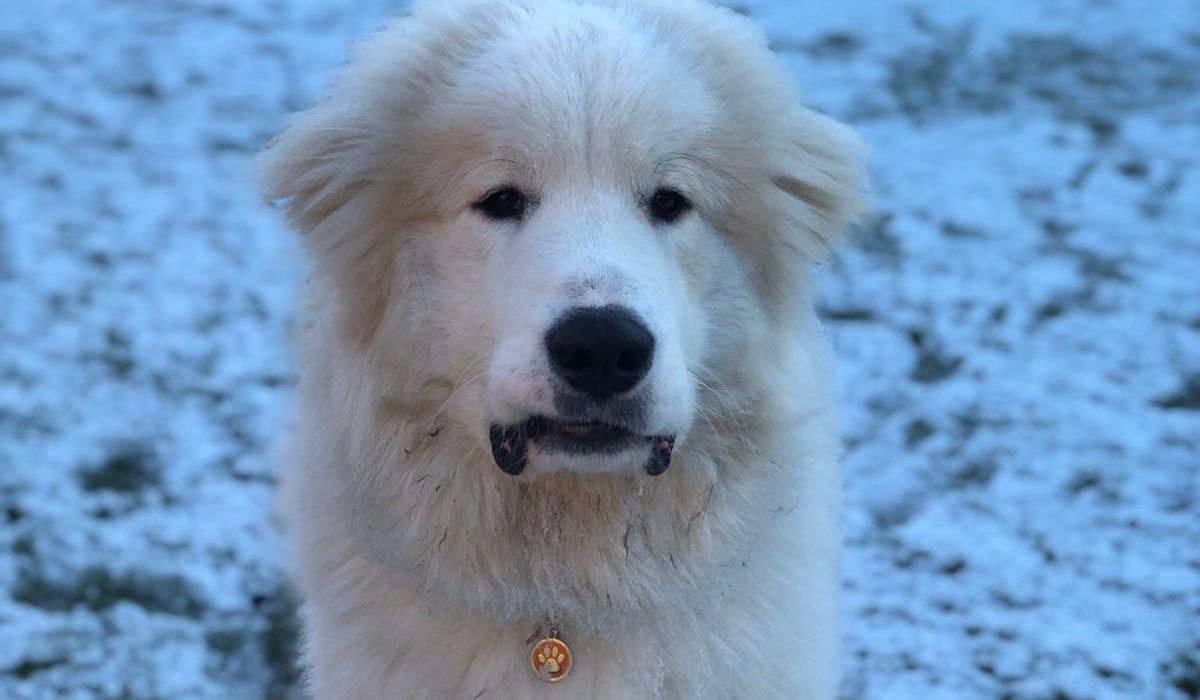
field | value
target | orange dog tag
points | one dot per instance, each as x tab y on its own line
551	659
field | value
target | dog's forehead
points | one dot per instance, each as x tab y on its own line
583	87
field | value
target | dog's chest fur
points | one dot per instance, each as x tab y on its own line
424	567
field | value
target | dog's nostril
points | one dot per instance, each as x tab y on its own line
600	351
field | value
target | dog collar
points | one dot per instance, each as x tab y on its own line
550	658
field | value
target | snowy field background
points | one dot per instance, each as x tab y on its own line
1019	327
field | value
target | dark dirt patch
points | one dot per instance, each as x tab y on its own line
876	238
99	589
917	432
848	314
933	364
31	667
1087	83
1186	398
1183	672
280	642
268	638
129	469
975	473
830	46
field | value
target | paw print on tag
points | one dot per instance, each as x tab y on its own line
551	659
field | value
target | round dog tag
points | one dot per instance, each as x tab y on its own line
550	659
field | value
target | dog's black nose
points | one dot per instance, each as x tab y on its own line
600	351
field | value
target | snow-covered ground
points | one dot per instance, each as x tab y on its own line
1019	327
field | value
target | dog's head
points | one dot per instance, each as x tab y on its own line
565	225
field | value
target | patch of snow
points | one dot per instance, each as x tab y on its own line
1018	325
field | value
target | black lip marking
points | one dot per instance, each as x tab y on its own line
660	455
509	448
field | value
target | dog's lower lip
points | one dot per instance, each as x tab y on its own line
582	436
510	444
583	428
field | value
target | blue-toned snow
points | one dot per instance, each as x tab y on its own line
1018	324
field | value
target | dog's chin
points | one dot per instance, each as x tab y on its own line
542	445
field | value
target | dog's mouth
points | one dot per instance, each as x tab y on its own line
510	444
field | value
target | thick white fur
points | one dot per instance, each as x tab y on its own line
425	569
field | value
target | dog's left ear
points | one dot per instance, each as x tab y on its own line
819	169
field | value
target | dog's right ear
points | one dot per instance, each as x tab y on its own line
330	153
316	164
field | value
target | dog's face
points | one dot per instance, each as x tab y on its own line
589	208
562	228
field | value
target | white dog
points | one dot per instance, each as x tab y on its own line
566	425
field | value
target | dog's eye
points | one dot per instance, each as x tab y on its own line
506	203
666	206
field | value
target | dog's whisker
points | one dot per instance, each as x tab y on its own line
733	410
458	384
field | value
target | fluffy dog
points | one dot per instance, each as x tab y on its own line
561	376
